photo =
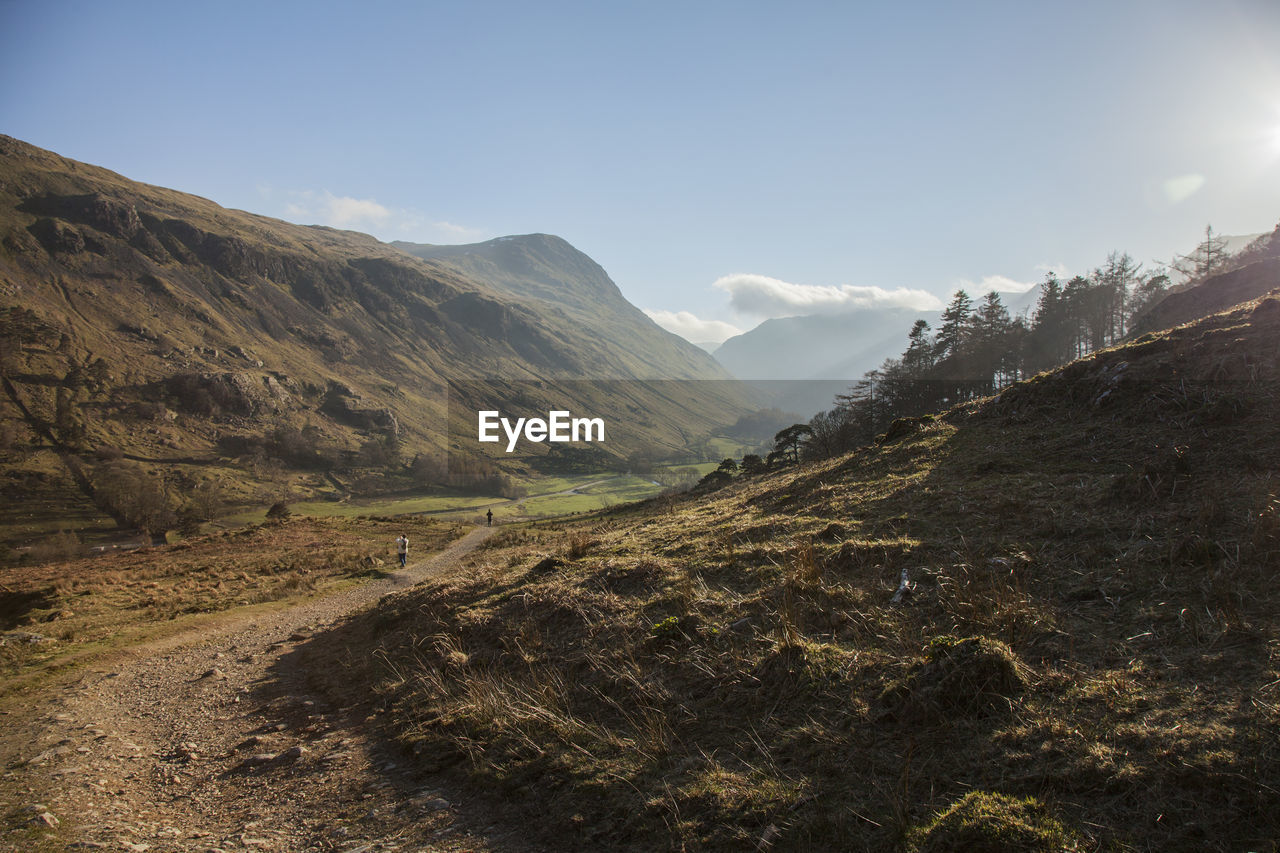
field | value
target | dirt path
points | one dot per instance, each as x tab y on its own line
208	741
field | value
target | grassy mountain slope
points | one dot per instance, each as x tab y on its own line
150	326
1086	660
546	270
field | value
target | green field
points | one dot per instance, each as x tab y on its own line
619	489
724	447
381	506
546	497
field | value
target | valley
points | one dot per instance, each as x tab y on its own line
1039	615
167	362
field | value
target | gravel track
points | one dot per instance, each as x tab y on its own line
208	741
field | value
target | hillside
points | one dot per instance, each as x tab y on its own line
1255	270
190	344
1084	658
546	270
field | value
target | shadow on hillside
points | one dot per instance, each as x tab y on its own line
326	692
1126	546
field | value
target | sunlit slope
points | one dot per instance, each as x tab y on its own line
547	272
147	322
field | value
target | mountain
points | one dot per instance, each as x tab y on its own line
147	325
799	364
543	270
819	346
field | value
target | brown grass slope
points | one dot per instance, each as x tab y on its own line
1087	660
64	612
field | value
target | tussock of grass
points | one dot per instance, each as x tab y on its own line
994	823
968	676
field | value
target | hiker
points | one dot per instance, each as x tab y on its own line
402	548
489	517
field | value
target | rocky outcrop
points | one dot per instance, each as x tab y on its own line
342	403
57	237
241	394
110	216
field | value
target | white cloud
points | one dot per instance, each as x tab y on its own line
1059	269
998	283
344	211
692	328
460	232
337	211
762	296
1182	187
366	214
416	228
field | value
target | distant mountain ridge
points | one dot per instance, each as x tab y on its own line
818	346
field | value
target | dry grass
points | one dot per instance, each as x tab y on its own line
729	672
91	604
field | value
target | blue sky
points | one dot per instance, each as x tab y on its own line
730	160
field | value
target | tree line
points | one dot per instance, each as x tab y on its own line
979	348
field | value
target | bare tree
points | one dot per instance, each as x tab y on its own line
1209	257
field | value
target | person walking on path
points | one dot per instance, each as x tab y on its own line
402	549
489	516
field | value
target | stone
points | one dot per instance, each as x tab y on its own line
435	804
23	637
547	564
50	754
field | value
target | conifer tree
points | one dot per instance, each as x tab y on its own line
1049	342
954	333
991	328
918	358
